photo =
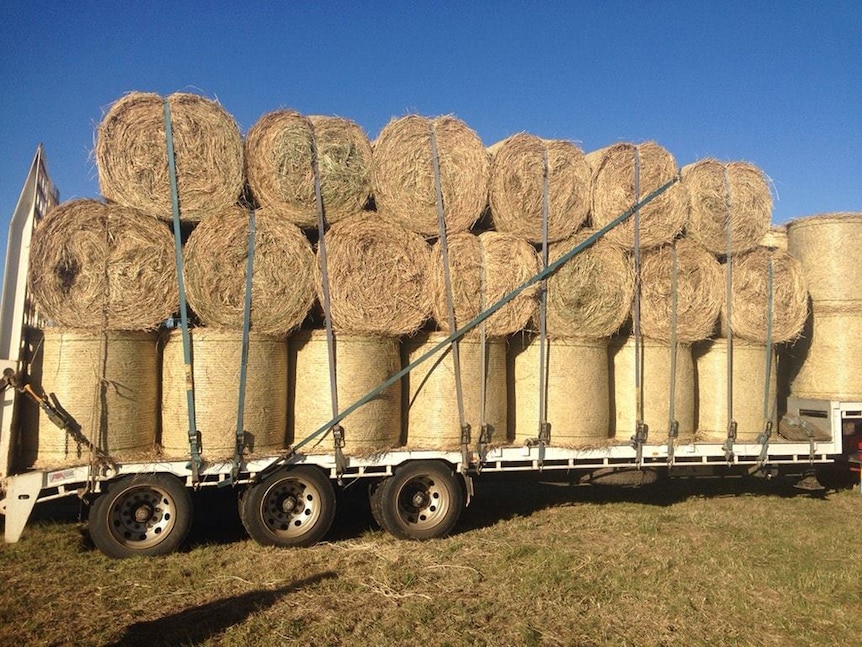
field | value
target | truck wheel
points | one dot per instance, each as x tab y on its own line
147	514
292	507
422	500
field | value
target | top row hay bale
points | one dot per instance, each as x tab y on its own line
828	247
278	158
516	191
403	174
734	193
626	173
132	160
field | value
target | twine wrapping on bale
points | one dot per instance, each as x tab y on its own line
378	277
656	366
102	266
516	187
828	247
109	383
750	318
403	174
748	383
216	370
577	391
712	187
431	417
824	362
590	296
613	192
483	270
278	158
282	281
699	292
132	159
362	363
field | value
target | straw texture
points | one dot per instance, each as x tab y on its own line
828	247
283	276
717	189
613	192
278	158
750	296
749	387
656	366
431	416
132	160
698	290
590	296
776	238
216	370
577	391
483	270
109	383
99	266
362	364
378	277
516	187
403	174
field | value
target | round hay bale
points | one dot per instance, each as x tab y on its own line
516	187
362	363
708	182
483	270
776	238
828	247
280	173
431	415
403	174
698	289
613	193
824	362
216	370
283	278
109	383
377	277
590	296
576	390
748	383
750	296
101	266
132	159
655	382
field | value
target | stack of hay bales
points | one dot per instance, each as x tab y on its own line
822	364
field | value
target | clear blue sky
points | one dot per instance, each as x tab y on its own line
777	83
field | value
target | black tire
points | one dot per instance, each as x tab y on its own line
374	491
422	500
145	514
292	507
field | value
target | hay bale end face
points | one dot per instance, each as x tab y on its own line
516	187
103	267
216	258
378	277
614	191
484	269
132	159
403	174
278	158
720	193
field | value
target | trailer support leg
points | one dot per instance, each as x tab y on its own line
21	494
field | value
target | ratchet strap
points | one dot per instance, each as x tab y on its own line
731	423
641	428
673	423
194	435
544	425
335	426
447	278
484	430
764	436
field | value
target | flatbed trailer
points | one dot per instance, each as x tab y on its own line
288	499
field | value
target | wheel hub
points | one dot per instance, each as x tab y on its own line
288	504
143	513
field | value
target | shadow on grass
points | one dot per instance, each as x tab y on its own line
197	624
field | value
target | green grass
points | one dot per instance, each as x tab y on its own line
530	563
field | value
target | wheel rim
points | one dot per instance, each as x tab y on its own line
291	507
142	517
423	502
